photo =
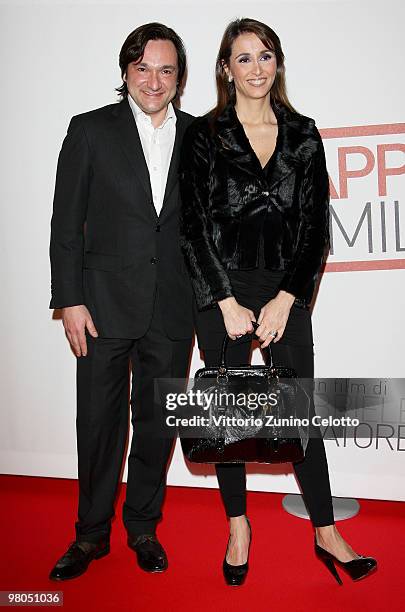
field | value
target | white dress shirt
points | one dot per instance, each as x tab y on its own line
157	145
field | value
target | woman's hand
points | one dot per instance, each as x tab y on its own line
237	318
273	318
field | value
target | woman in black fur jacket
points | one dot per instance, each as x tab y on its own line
254	231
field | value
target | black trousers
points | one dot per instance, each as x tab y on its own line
312	472
102	426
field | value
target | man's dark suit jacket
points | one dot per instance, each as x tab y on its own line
109	249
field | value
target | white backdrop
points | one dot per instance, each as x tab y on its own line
344	68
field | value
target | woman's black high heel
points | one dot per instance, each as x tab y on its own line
356	568
235	574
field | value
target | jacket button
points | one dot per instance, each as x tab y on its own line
153	260
157	228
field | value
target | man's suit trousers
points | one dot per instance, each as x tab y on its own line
102	426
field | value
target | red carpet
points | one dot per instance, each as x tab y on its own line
37	516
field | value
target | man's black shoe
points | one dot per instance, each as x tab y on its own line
77	558
150	553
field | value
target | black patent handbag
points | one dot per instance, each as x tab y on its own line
230	442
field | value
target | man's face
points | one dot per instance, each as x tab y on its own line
152	81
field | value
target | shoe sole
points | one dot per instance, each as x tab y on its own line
154	571
373	569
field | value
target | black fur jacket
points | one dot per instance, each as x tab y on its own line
226	196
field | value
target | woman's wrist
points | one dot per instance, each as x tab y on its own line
227	304
284	297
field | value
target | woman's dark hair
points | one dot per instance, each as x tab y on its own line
134	47
225	89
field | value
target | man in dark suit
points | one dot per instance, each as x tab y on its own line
118	276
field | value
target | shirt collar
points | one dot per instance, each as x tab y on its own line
140	115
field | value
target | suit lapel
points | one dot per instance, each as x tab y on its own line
288	153
131	144
172	176
234	144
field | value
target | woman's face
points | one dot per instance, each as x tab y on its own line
252	66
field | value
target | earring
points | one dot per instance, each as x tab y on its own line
230	78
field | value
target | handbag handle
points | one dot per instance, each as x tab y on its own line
223	366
